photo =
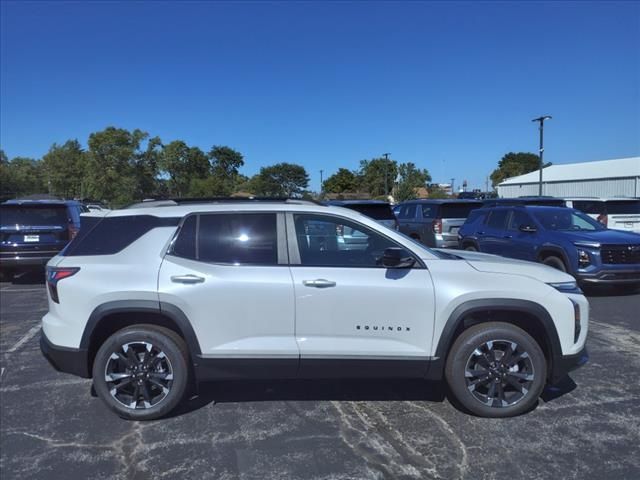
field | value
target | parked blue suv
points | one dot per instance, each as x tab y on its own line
560	237
34	231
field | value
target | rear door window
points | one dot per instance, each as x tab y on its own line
407	212
238	239
429	210
497	219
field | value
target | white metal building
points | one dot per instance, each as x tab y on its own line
604	178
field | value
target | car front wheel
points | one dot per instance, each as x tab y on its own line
141	372
496	370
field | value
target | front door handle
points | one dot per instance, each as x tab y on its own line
507	237
479	233
319	283
187	279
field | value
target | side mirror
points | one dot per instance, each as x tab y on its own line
395	257
528	229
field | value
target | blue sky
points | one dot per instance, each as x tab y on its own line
450	86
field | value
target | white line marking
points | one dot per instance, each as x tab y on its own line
27	336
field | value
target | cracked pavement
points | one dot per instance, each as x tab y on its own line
51	427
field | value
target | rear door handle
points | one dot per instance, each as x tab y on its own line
319	283
479	233
507	237
187	279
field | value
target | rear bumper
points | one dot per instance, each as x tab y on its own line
564	364
68	360
26	259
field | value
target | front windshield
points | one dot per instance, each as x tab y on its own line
566	220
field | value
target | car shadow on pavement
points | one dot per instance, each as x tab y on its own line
610	290
313	390
562	387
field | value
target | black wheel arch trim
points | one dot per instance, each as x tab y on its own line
463	310
557	250
149	306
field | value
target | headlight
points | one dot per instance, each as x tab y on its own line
566	287
584	260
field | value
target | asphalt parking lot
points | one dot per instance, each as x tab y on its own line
587	427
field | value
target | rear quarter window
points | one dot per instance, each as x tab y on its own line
457	210
110	235
375	211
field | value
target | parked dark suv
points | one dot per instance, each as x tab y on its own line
379	210
34	231
561	237
434	222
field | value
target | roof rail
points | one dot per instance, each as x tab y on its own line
167	202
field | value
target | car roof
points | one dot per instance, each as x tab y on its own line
25	202
356	202
440	201
603	199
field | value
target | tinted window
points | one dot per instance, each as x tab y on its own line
380	211
473	216
497	219
407	211
34	215
429	210
325	241
238	239
106	236
589	206
457	210
519	218
623	207
185	245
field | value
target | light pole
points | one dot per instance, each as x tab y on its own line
541	128
453	192
386	174
321	182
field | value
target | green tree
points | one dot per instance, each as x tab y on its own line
145	169
411	178
436	192
182	164
112	165
514	164
22	176
225	166
378	176
280	180
342	181
65	166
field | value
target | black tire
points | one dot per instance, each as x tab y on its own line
153	384
555	262
472	387
470	248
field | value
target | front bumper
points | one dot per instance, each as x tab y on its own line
564	364
610	276
68	360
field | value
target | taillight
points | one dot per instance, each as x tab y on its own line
602	218
54	275
437	225
73	231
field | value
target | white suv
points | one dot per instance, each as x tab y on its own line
149	301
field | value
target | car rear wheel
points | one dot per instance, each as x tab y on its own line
555	262
141	372
470	248
496	370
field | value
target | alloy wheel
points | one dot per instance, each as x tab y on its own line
139	375
499	373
